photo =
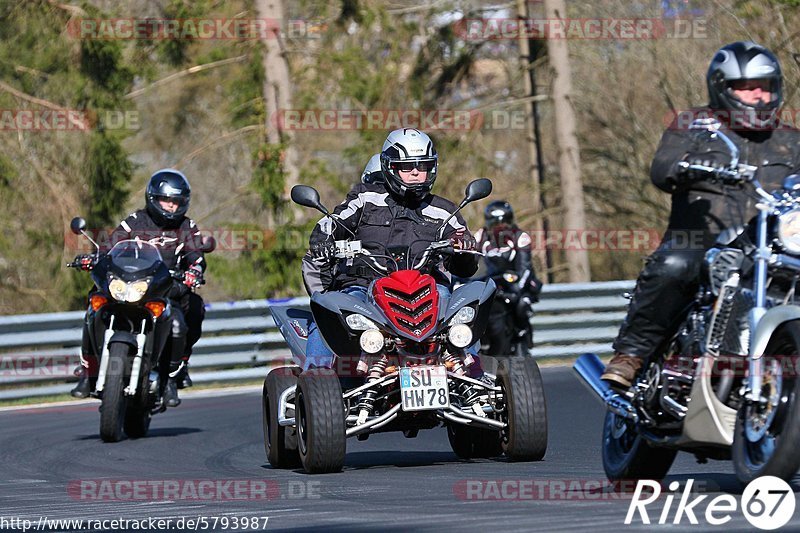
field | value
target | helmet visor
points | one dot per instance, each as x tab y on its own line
180	201
423	165
753	92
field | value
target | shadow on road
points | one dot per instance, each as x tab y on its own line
153	433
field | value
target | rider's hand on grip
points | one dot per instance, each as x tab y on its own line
84	261
463	241
712	162
323	251
193	277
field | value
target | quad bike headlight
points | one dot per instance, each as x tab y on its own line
371	341
463	316
128	292
460	335
359	322
789	231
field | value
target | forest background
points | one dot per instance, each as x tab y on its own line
247	116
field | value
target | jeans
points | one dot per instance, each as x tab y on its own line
318	354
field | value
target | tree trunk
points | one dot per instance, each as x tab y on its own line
535	166
277	86
567	141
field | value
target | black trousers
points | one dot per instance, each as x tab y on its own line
665	287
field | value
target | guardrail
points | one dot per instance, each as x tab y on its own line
240	338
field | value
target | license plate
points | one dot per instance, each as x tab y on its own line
424	387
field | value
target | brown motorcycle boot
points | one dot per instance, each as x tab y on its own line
622	370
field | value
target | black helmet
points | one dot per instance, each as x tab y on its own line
739	61
408	147
172	184
498	212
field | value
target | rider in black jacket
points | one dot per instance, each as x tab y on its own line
507	248
164	223
745	93
396	213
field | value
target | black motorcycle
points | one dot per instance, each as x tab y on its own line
724	385
510	330
128	320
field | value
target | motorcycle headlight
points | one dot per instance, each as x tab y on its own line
118	289
128	292
463	316
789	231
460	335
359	322
371	341
510	277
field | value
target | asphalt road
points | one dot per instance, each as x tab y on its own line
53	466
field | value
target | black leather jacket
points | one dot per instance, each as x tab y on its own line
179	245
705	208
379	220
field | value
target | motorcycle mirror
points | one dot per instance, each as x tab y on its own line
209	244
77	225
307	197
477	190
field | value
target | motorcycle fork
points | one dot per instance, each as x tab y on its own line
136	366
101	376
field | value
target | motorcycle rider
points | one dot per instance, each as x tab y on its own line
163	223
507	248
398	212
745	93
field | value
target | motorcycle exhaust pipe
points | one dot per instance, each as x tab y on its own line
589	367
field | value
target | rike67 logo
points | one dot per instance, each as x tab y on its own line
767	503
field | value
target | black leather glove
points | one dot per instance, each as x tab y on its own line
463	241
708	159
323	251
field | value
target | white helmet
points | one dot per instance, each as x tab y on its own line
408	147
372	172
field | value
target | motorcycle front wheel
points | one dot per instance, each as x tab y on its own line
766	434
112	408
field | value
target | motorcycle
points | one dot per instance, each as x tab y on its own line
515	312
128	319
723	386
411	341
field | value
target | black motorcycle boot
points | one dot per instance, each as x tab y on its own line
183	379
171	390
171	393
87	373
84	387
